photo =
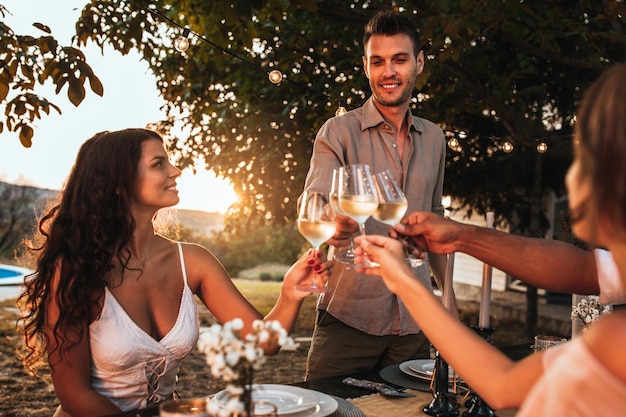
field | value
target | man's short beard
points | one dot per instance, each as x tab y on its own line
401	101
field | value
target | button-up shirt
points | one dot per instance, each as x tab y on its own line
362	136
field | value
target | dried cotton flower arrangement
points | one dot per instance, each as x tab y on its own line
589	310
234	360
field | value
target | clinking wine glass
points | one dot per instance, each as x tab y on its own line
392	205
357	196
342	255
316	224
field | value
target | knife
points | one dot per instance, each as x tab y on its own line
377	386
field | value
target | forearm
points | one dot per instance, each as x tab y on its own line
86	403
544	263
286	312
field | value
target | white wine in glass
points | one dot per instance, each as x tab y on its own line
390	213
357	195
392	205
316	224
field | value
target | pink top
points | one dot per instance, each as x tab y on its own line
575	384
611	286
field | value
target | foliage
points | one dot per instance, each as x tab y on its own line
496	71
239	250
26	61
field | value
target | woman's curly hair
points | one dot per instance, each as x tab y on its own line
81	238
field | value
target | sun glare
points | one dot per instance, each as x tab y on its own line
204	191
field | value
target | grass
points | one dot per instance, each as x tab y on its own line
274	272
263	295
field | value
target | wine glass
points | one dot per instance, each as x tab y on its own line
357	195
392	205
342	255
316	224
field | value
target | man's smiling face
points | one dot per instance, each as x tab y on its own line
392	68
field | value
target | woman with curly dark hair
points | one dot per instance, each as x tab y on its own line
111	305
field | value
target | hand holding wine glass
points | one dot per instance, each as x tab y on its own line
357	193
392	205
316	224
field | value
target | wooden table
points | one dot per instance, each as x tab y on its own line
377	405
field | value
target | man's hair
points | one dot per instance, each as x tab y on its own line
388	22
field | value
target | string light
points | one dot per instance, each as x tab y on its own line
340	110
181	44
542	147
275	76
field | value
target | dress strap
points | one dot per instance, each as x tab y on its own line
182	261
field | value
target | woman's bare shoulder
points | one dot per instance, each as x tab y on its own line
201	259
195	250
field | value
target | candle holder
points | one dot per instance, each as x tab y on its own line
443	404
476	406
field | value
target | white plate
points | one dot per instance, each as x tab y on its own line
326	405
422	368
290	401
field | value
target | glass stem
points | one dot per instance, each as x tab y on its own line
362	230
351	245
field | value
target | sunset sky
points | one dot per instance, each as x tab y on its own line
130	100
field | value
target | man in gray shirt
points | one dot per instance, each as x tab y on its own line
360	324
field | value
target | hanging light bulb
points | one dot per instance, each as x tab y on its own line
542	147
340	110
507	147
275	76
453	143
181	44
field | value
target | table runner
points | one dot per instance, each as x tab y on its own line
377	405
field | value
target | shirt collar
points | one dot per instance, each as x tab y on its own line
372	117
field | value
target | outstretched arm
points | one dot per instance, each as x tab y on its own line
470	355
545	263
210	281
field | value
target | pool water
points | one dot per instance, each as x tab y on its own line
4	273
12	275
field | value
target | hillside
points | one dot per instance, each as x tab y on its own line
25	202
200	222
